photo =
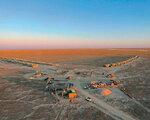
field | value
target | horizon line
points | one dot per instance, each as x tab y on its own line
79	48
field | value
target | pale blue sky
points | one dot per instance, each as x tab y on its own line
98	20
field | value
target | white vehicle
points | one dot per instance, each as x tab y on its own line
88	99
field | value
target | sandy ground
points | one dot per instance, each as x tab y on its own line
69	55
26	99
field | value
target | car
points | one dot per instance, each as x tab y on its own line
88	99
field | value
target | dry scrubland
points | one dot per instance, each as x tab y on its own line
26	99
69	55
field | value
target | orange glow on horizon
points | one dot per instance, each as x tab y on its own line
54	42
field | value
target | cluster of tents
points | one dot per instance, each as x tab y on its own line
95	85
121	63
70	93
61	87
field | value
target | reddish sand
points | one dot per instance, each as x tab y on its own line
69	55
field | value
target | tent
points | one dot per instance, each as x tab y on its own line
106	92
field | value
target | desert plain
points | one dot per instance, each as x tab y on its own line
26	95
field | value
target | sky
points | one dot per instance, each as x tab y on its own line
66	24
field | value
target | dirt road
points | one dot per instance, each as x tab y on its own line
40	103
102	106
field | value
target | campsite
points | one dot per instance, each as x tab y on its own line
73	89
74	59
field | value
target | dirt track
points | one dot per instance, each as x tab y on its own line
104	107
